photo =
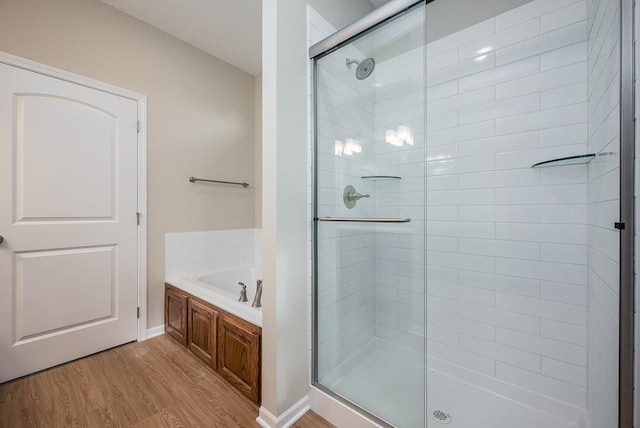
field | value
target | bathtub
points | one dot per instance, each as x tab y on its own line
221	289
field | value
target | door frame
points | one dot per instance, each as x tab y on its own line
141	100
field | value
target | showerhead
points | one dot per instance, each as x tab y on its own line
365	67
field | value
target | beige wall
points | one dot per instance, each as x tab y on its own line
201	111
285	315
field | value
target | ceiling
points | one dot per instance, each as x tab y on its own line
228	29
378	3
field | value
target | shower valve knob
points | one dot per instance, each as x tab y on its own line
350	196
358	196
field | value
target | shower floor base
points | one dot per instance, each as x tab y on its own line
384	379
390	379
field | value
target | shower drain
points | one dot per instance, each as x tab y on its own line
441	417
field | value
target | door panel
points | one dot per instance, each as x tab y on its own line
175	314
50	284
238	355
68	182
202	332
41	192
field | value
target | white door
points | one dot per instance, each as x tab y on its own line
68	199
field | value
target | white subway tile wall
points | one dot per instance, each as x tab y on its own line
507	245
400	250
194	253
603	276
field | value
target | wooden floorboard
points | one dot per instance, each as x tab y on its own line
155	383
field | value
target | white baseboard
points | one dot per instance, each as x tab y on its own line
155	331
266	419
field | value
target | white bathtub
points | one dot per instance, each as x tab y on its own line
221	289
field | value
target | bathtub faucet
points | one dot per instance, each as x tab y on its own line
257	300
243	293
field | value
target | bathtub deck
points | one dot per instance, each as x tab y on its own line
220	299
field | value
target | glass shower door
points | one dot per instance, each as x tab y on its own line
370	222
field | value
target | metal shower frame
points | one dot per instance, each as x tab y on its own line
626	326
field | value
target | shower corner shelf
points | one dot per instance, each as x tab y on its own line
568	160
380	177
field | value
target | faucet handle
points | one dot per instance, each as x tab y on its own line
257	299
243	292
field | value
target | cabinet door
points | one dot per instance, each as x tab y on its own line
239	355
202	331
175	314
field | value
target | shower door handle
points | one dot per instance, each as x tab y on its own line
364	220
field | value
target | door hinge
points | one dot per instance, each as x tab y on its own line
138	312
619	226
138	126
138	218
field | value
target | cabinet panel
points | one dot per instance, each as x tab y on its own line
239	355
226	343
202	331
175	316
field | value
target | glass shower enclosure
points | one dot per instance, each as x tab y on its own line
473	230
370	228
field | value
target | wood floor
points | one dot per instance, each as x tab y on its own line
156	383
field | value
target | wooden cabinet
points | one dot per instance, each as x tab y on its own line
175	314
202	331
228	344
238	355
